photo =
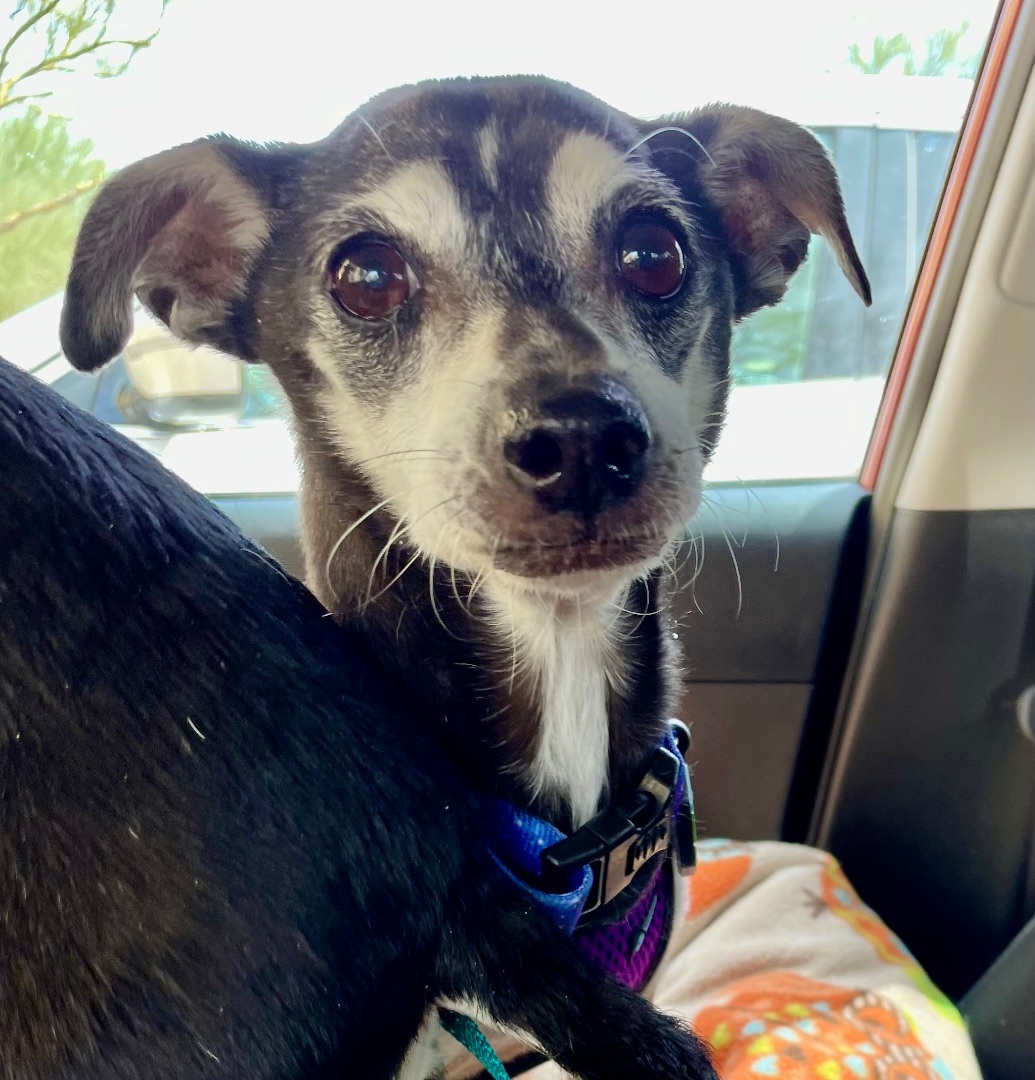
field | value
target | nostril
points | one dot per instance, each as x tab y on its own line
538	455
585	449
622	447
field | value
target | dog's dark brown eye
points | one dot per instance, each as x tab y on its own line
651	259
370	279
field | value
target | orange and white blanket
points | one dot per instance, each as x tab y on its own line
778	964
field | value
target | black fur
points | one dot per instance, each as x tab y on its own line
226	848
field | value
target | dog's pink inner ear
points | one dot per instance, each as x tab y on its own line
194	249
752	218
773	184
194	266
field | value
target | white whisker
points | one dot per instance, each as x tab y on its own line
341	540
678	130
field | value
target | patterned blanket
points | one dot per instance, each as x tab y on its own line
779	965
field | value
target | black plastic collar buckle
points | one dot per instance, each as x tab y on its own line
622	839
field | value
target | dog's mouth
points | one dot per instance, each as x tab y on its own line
542	560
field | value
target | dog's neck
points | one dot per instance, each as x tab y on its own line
551	702
566	656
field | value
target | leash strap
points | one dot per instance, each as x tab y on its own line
470	1037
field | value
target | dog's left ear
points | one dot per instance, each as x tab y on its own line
771	183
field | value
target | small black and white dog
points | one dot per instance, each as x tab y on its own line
501	312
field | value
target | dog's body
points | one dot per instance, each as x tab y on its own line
228	848
501	312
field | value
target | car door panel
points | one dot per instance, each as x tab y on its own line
934	780
929	798
751	617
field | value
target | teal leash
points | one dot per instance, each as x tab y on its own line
470	1037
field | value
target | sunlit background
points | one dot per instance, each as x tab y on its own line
884	84
295	70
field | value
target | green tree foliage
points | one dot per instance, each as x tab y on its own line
941	55
885	51
771	346
45	174
51	36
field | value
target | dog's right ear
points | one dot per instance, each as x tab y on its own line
772	183
180	230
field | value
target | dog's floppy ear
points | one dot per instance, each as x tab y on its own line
772	183
181	231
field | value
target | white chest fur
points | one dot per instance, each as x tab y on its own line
564	649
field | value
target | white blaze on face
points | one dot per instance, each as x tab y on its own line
422	448
586	173
440	415
420	204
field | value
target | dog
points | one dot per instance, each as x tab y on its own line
501	312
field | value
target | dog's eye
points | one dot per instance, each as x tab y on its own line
651	258
370	279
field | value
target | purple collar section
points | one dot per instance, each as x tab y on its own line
631	948
628	943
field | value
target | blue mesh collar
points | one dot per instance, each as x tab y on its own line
592	870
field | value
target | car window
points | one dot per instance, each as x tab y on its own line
884	85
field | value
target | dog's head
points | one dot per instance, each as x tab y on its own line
507	305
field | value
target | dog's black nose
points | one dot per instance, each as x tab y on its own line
581	450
